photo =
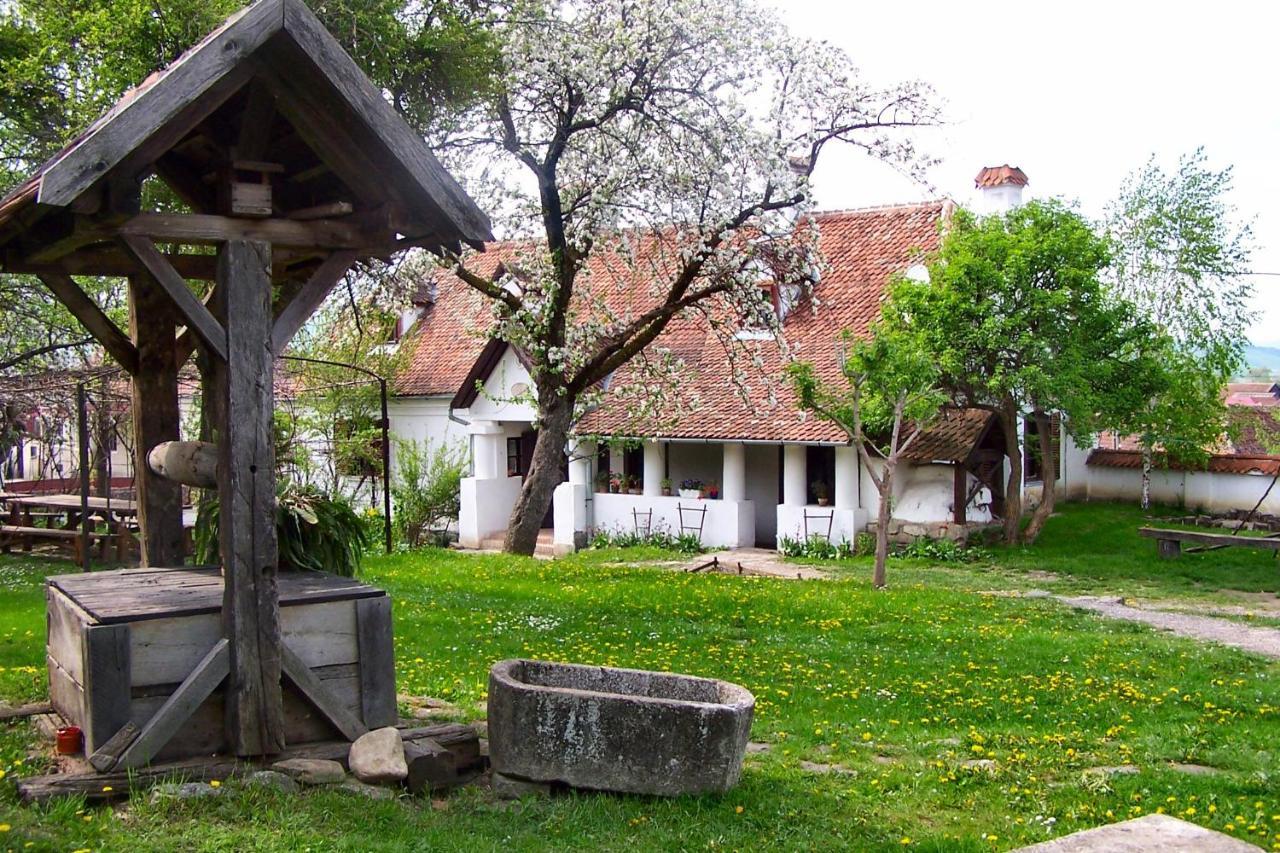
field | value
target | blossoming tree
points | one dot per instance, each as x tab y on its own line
678	136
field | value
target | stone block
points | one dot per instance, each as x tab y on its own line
377	757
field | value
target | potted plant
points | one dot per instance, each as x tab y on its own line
634	485
713	490
691	488
821	492
666	486
615	483
602	481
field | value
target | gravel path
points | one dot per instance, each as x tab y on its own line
1249	638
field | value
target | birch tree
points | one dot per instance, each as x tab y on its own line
678	136
890	396
1181	258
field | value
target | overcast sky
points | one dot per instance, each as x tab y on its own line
1078	95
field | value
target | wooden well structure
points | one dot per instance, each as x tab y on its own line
290	167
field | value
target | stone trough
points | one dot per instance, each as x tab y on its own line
623	730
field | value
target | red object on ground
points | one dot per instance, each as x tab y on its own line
70	740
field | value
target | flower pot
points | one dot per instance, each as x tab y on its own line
666	493
690	493
613	490
823	501
70	740
635	491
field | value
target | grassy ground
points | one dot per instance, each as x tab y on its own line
891	692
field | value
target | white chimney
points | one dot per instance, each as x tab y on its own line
1000	188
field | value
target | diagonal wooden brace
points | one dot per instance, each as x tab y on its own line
178	708
315	692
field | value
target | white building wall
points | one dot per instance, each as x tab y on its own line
726	524
424	419
1203	491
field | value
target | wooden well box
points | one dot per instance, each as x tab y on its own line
120	643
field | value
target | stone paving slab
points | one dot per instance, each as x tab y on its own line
1154	832
756	561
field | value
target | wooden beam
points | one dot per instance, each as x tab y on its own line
161	114
156	420
193	311
377	661
107	679
246	498
430	182
199	228
322	211
305	302
255	123
178	708
315	692
113	262
98	324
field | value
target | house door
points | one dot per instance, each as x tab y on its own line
527	440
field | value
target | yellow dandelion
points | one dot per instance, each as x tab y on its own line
738	810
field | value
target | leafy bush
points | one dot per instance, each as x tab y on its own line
941	551
426	491
685	543
816	547
314	532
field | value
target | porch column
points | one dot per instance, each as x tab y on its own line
733	485
581	455
652	468
794	470
488	450
846	489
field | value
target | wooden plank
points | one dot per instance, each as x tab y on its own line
432	183
156	420
322	211
176	710
255	126
309	298
431	767
165	650
112	262
98	324
64	632
130	595
211	229
314	690
107	675
192	309
189	89
106	756
1210	538
65	694
246	498
18	712
377	661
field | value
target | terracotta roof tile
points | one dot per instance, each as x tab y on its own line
1218	464
998	176
951	437
863	250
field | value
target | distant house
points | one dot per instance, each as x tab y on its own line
1260	394
779	472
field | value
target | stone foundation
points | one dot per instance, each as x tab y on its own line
905	532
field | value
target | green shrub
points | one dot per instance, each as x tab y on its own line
426	491
816	547
685	543
314	532
941	551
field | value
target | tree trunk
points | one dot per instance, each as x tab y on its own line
555	416
1048	476
1008	415
1146	478
883	516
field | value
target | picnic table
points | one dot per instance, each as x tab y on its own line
25	511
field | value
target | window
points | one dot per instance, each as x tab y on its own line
820	470
514	465
633	462
1032	461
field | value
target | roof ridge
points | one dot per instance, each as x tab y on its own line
881	208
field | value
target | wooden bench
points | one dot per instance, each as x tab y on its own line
12	533
1169	542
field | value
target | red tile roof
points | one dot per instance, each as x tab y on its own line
1218	464
998	176
951	438
863	250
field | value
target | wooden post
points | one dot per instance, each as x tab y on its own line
155	420
246	498
959	493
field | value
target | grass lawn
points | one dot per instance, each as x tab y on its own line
892	692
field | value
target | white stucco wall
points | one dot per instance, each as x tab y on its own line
844	523
424	419
486	507
727	524
508	381
1197	490
926	493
